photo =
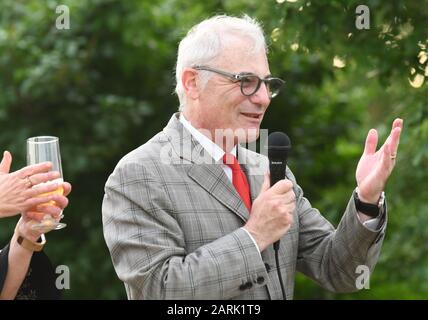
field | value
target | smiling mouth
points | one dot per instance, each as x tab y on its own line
252	115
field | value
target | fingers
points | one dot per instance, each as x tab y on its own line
286	198
25	227
52	210
394	138
67	188
35	201
42	189
43	177
397	127
36	215
265	185
33	169
290	207
387	159
60	201
6	162
290	197
371	142
283	205
397	123
282	187
52	205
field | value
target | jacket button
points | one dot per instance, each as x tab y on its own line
267	266
260	280
245	286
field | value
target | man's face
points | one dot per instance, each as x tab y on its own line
222	104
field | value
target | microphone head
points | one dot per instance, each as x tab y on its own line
278	146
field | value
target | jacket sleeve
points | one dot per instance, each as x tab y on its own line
332	256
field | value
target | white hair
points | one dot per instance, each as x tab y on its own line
204	42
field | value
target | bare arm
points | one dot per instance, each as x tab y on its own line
19	259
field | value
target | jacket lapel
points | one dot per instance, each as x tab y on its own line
213	179
203	170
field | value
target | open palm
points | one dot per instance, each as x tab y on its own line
375	167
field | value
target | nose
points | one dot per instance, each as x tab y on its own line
261	96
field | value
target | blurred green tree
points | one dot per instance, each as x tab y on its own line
105	87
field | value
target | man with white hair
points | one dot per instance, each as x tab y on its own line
188	215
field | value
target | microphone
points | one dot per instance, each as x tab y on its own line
278	147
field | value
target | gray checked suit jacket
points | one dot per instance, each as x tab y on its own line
172	223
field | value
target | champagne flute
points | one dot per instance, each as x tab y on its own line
42	149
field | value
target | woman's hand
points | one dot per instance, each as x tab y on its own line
17	193
55	209
24	227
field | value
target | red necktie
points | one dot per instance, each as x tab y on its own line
239	179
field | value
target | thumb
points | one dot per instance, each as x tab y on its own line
5	162
266	183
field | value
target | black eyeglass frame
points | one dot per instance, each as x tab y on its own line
241	76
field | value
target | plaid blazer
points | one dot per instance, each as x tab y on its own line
172	222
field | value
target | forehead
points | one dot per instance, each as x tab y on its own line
238	54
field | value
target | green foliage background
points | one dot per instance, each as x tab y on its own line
105	86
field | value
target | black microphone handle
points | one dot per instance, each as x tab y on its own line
277	173
278	147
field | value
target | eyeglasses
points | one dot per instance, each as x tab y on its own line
250	82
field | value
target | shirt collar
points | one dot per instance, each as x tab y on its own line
213	149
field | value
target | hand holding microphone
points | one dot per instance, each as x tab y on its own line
272	211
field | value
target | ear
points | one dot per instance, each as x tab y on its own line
188	80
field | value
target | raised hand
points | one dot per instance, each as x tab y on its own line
375	167
272	212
